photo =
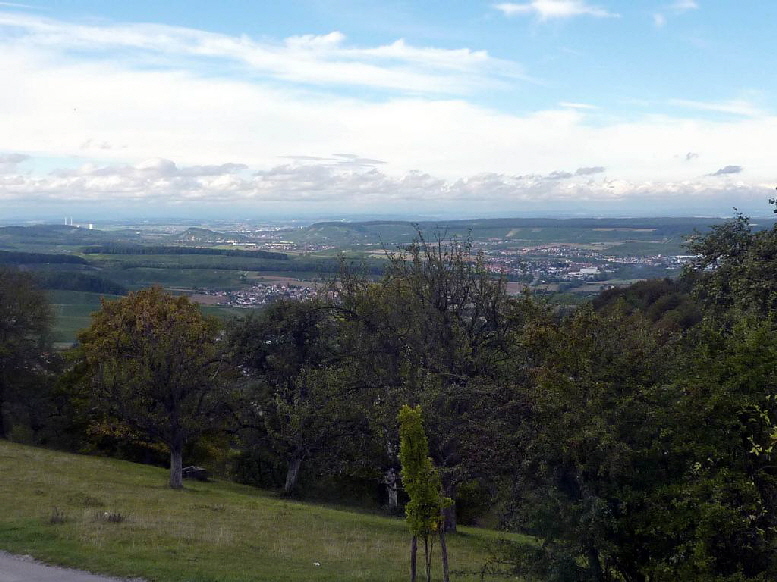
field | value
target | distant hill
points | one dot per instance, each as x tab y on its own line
205	235
524	230
52	235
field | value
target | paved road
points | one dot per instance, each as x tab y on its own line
25	569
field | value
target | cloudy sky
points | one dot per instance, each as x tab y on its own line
417	108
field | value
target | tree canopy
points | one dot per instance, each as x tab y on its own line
25	321
154	364
296	395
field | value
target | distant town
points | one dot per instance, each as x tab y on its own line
258	294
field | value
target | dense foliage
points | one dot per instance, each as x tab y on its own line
296	402
75	281
22	258
25	317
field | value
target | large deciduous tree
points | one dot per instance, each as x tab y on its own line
25	319
591	456
153	364
434	330
296	395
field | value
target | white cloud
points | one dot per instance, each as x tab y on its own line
735	107
152	169
659	20
9	162
677	7
550	9
307	59
162	183
55	107
13	158
684	5
226	135
577	105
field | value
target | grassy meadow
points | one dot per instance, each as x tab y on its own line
119	518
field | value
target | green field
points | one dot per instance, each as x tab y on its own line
138	277
225	313
120	518
73	309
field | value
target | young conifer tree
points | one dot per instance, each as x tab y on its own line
421	481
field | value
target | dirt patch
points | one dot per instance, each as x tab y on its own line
514	287
281	280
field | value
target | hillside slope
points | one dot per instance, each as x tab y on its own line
116	517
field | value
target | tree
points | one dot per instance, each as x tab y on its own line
434	331
421	481
25	319
667	303
153	363
650	449
297	395
735	268
720	508
593	458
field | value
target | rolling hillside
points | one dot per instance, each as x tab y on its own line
120	518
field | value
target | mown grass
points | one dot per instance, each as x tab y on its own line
119	518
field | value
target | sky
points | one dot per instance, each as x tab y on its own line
405	108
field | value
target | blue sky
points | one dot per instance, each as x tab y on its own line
416	108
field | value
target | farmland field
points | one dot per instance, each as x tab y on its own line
72	312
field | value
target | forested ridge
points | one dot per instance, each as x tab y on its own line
43	269
125	249
22	258
633	437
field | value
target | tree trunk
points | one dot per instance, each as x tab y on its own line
176	466
390	479
594	565
444	553
2	412
449	512
413	554
428	556
449	516
292	474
